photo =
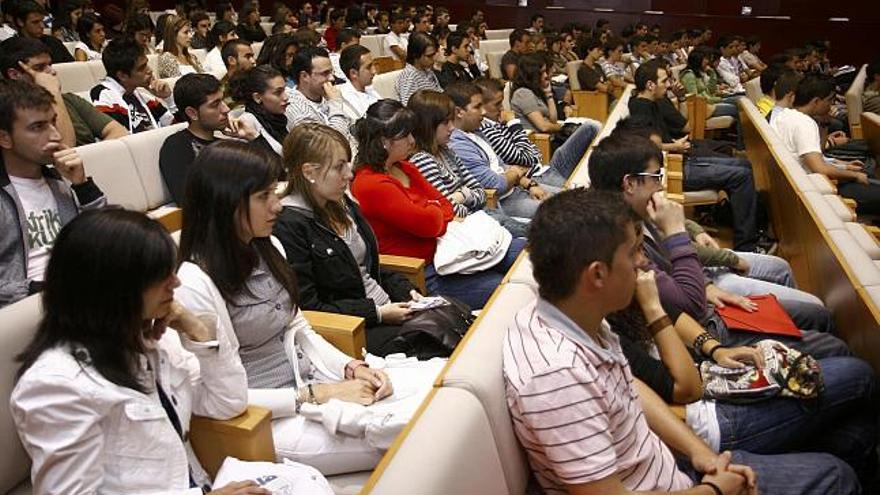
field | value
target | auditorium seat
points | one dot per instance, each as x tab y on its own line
267	27
199	54
494	61
494	46
590	104
864	239
854	102
384	84
144	148
860	263
374	43
753	89
97	69
111	166
75	76
497	34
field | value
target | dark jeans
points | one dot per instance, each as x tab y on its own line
842	421
867	197
733	176
815	343
473	289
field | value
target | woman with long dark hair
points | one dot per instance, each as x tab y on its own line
92	38
106	387
249	26
278	51
407	213
263	92
236	273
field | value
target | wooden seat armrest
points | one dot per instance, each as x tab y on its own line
873	230
542	141
591	104
347	333
247	436
492	199
412	268
850	203
675	177
507	115
697	113
171	217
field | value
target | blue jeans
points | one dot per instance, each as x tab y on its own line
841	421
520	204
794	474
724	109
734	176
566	158
815	343
476	288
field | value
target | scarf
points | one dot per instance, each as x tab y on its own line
275	124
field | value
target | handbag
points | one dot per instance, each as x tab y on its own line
470	246
786	373
434	332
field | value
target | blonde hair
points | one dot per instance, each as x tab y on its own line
317	144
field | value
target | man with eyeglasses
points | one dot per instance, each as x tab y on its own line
315	98
800	133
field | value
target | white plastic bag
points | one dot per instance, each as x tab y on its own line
289	478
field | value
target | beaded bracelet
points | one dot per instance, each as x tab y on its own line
713	486
700	341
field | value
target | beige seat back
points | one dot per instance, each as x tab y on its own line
854	97
153	62
18	323
256	47
97	69
494	61
449	450
144	148
571	68
75	76
477	368
494	46
498	34
753	89
384	84
267	28
111	166
199	54
374	43
676	70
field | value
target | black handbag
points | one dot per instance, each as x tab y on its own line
434	332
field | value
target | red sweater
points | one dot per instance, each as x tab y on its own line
330	37
407	220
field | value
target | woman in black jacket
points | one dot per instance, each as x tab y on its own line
331	246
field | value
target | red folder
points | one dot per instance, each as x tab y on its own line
770	318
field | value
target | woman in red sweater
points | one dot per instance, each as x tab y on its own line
406	212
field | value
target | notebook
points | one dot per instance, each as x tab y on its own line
770	318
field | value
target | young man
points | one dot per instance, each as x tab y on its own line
871	96
783	91
507	138
200	103
238	56
768	80
799	131
315	98
29	18
346	38
422	23
78	121
590	75
441	19
419	71
395	42
520	43
460	64
588	426
536	26
201	24
358	94
117	95
732	175
631	164
730	69
336	24
35	200
518	193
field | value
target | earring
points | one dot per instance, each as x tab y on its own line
312	181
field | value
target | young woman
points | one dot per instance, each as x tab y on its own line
278	51
264	95
235	274
407	213
175	59
220	33
842	421
106	387
696	80
249	28
140	28
64	26
331	246
92	38
533	104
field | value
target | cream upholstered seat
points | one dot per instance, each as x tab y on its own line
494	61
75	76
828	219
854	102
822	184
144	149
374	43
753	89
111	166
839	207
97	69
864	239
497	34
866	272
384	84
494	46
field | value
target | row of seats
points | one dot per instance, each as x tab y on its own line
477	452
854	102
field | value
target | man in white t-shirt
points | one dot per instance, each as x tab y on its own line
35	201
357	93
801	135
396	42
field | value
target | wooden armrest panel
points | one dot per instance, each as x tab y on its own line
542	141
412	268
247	436
492	199
170	217
874	231
347	333
675	177
591	104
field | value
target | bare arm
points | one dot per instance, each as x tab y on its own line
113	130
816	164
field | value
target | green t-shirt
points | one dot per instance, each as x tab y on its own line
88	122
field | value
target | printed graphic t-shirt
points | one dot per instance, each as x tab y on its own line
42	219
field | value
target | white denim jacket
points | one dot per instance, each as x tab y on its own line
86	434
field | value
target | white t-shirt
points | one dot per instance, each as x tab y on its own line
213	63
798	131
43	222
392	39
357	102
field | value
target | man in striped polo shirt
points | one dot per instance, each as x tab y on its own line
587	425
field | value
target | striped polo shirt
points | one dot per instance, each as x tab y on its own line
575	409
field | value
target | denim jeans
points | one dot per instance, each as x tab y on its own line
476	288
520	204
734	176
566	158
794	474
842	421
815	343
772	275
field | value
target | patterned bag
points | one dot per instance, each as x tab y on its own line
786	373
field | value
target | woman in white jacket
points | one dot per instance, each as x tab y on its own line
233	271
105	393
